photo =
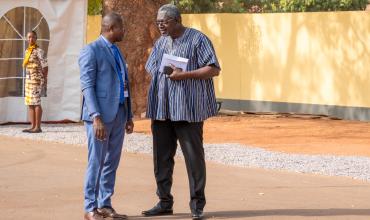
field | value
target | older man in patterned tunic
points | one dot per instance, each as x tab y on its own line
178	103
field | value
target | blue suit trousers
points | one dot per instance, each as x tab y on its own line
103	161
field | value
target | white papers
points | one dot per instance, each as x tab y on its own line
178	62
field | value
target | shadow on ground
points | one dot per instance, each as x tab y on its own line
272	212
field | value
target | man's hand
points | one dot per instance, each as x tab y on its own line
129	127
177	73
99	129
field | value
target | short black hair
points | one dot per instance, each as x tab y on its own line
33	32
109	20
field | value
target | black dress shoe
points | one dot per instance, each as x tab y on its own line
156	211
197	215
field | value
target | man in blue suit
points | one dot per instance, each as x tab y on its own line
106	113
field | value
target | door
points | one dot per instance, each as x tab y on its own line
14	26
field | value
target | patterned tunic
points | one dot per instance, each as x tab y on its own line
191	100
34	77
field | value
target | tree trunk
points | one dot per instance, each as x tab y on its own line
140	34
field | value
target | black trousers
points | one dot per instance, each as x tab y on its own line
165	137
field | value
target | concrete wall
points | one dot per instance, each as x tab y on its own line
317	63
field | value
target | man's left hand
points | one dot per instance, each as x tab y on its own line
129	127
177	74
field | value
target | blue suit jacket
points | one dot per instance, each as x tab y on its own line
99	82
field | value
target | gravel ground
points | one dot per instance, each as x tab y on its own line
227	153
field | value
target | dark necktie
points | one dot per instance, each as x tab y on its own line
117	58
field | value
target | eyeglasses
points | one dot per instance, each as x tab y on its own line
163	22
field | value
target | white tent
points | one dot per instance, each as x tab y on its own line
61	31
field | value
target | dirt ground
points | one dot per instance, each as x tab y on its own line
304	134
44	181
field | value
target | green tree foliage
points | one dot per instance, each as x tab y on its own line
94	7
316	5
196	6
258	6
253	6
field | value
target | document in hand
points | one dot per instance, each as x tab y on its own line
178	62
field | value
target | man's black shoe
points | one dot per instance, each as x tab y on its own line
156	211
197	215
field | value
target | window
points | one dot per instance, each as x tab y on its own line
14	26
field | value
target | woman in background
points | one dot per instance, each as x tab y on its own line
36	66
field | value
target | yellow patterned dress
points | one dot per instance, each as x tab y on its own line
34	77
